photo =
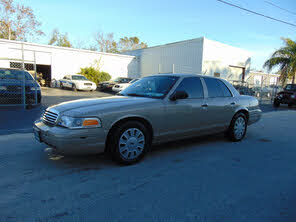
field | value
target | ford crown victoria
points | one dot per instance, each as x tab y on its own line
154	109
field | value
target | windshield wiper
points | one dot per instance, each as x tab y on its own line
135	94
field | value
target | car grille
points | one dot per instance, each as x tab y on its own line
87	84
50	117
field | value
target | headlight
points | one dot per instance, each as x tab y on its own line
3	88
293	96
35	88
79	123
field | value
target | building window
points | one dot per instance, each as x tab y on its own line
273	80
257	80
18	65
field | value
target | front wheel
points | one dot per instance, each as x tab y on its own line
74	88
238	127
130	142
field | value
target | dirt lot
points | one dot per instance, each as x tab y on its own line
52	96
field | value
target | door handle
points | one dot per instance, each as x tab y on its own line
204	105
232	104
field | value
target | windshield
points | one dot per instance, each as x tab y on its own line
79	78
152	86
290	87
134	80
10	74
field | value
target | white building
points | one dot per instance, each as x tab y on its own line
200	56
55	62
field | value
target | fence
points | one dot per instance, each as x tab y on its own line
264	92
18	79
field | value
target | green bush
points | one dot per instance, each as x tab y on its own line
94	75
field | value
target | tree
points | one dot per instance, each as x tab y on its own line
285	59
17	22
131	43
106	42
59	39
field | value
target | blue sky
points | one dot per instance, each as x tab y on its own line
158	22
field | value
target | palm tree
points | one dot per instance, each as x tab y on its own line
285	59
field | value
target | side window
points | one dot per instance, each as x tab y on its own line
225	89
214	89
193	86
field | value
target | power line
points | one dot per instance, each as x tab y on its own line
256	13
280	7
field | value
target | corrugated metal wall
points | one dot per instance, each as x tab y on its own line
180	57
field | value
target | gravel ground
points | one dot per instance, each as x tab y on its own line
203	179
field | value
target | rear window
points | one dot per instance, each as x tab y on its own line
290	87
7	74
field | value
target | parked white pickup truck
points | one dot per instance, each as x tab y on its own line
77	82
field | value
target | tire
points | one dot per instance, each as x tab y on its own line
74	88
129	142
61	86
238	127
290	104
276	103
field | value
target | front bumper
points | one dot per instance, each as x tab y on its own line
71	141
86	88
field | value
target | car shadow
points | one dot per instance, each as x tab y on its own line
101	161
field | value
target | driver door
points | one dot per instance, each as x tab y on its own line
185	117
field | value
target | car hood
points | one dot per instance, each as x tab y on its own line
123	84
82	107
82	81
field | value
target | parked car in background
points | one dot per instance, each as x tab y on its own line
121	86
108	85
12	87
287	96
154	109
77	82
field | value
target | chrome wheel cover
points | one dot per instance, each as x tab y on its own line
131	143
239	127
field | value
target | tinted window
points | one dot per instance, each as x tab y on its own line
214	89
192	86
10	74
224	89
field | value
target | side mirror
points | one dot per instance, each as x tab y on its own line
178	95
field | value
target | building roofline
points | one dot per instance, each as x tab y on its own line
62	48
167	44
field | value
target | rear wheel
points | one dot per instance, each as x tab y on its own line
129	142
290	104
61	86
238	127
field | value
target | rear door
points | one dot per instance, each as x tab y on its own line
220	103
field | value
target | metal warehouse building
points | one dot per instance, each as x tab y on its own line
200	56
55	62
